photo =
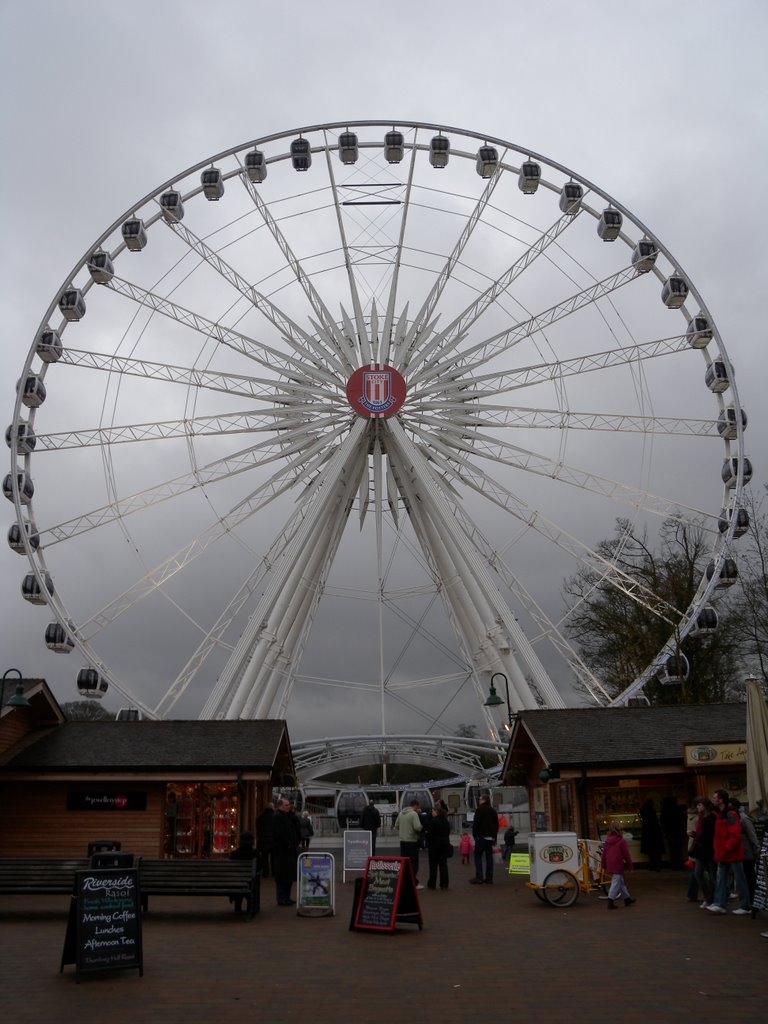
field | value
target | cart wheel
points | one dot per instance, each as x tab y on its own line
561	888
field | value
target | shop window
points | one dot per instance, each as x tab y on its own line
201	819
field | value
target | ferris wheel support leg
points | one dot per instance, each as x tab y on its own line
276	669
490	647
409	456
240	669
258	686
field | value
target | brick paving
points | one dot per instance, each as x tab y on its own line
485	953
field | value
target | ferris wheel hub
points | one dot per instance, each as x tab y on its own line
376	390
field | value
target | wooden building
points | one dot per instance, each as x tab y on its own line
584	767
162	788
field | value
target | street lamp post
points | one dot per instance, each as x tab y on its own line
494	700
18	700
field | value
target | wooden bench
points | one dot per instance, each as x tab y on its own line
21	876
237	878
240	879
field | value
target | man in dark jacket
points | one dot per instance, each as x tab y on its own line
370	821
265	840
285	852
485	828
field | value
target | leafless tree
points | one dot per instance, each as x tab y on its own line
619	635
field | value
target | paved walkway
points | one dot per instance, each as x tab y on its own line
485	954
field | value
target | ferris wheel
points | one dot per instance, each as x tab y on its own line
355	390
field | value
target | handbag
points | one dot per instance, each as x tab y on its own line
449	852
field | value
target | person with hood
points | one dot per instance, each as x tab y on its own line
409	829
616	860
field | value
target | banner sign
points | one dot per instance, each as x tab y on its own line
519	864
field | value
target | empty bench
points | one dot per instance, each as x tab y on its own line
236	878
28	876
20	876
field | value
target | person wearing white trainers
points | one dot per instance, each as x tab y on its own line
729	854
751	845
702	849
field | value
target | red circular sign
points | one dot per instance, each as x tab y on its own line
376	390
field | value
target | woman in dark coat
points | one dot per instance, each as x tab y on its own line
438	847
652	841
703	850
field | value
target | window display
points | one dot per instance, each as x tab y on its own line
201	819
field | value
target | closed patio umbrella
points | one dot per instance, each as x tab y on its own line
757	747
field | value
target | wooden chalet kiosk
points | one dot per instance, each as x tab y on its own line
585	767
162	788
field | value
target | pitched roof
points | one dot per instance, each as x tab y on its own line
584	736
150	745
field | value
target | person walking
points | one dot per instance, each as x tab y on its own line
616	860
438	847
284	852
370	821
409	829
729	856
485	829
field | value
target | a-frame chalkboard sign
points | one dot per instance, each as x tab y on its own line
104	924
385	896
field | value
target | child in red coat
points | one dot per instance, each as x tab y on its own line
465	847
616	859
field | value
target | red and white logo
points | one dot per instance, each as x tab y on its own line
376	390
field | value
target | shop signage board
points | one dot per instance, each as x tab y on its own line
104	924
357	850
519	864
101	800
385	896
316	890
721	755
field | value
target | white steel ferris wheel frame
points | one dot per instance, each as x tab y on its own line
409	465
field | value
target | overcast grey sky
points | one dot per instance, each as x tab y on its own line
661	104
